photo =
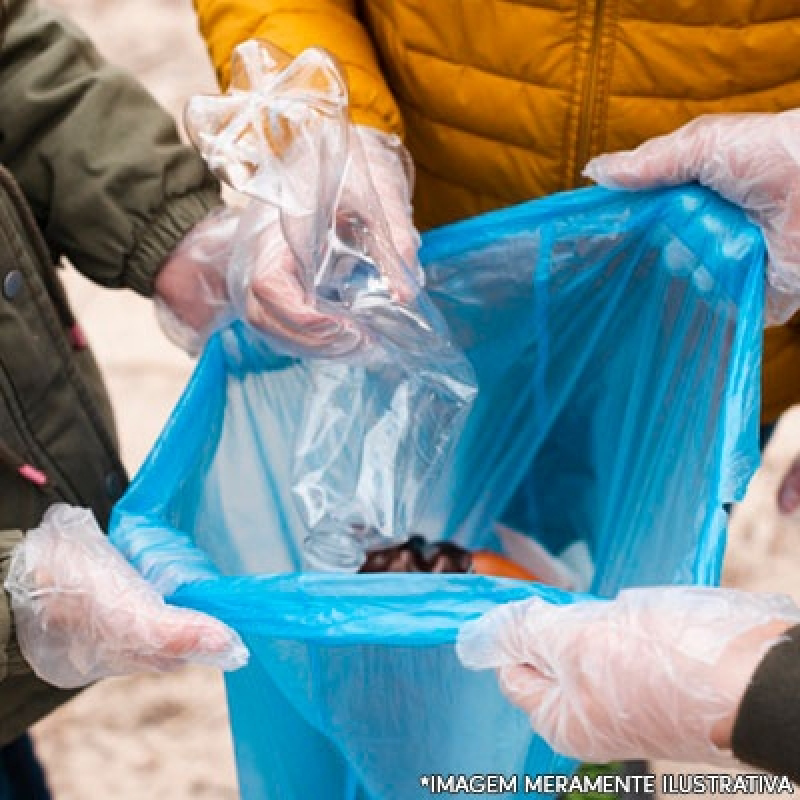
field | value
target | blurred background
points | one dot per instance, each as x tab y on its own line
167	736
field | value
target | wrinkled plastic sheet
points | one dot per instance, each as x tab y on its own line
616	340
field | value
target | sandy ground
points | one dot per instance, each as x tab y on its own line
167	736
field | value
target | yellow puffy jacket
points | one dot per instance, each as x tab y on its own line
500	101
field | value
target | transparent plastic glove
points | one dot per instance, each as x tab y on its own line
193	296
377	191
656	673
83	613
328	232
272	287
391	171
191	289
753	160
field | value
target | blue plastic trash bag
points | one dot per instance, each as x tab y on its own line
616	340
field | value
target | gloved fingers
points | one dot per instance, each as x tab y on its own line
384	237
389	160
405	274
653	673
278	306
687	611
535	632
70	651
82	612
388	172
268	291
669	160
752	160
129	637
526	687
568	727
501	637
183	636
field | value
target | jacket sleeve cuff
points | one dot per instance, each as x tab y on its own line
167	227
767	725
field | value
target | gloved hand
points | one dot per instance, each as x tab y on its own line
195	294
276	292
208	282
753	160
82	613
656	673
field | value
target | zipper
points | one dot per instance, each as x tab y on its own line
589	101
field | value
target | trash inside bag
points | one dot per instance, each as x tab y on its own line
616	342
384	384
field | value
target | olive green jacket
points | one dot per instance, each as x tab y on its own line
91	168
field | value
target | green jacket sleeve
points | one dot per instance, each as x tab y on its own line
100	162
24	698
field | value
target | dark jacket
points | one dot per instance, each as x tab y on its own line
767	728
92	169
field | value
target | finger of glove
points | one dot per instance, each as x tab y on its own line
132	631
278	307
405	273
82	612
556	718
502	637
129	635
686	155
275	282
390	171
525	686
395	208
128	639
192	637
